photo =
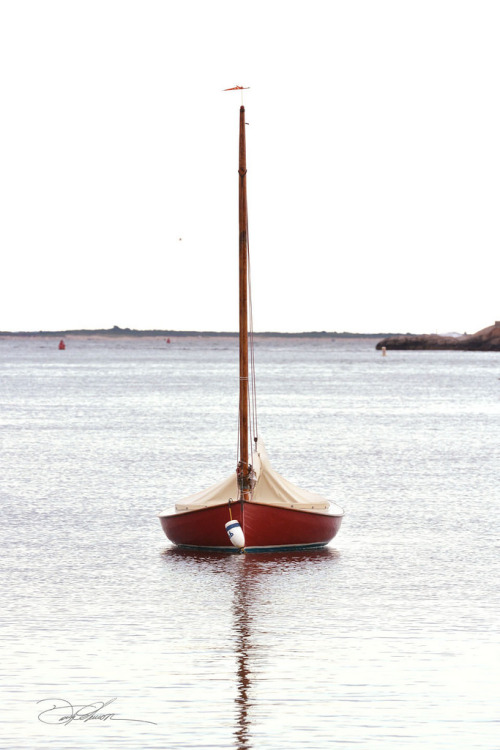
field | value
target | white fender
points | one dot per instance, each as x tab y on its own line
235	534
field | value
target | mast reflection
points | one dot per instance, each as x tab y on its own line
243	592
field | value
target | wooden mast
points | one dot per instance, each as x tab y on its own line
243	300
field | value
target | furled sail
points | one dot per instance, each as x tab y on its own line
270	489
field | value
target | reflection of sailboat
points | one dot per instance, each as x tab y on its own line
259	508
249	583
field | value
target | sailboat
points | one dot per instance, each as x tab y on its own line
255	509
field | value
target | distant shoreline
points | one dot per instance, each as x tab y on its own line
117	332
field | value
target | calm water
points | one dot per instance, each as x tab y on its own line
388	638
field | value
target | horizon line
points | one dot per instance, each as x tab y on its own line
118	331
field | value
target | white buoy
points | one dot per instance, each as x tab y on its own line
235	534
384	351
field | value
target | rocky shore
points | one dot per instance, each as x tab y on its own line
486	340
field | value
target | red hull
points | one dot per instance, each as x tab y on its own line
264	526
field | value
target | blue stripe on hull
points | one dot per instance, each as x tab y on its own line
234	550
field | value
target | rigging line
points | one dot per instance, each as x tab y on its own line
253	390
238	444
253	385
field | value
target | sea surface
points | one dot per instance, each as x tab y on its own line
387	639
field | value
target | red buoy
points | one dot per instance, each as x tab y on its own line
62	345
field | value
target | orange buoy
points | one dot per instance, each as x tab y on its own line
62	345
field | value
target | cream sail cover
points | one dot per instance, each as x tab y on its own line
270	488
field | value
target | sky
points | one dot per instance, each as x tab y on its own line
373	150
